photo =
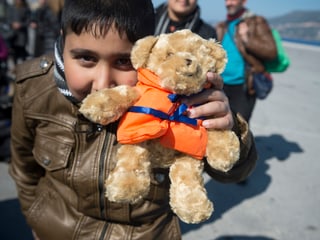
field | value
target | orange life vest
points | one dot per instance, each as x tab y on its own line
138	126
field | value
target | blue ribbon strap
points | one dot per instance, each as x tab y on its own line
174	97
150	111
177	116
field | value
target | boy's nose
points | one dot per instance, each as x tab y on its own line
103	79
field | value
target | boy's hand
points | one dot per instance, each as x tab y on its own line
212	104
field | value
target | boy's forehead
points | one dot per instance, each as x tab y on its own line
110	43
98	29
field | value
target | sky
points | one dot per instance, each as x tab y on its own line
215	9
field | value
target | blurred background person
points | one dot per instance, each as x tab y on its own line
56	6
248	40
6	85
5	30
6	95
18	18
45	21
4	53
176	15
3	10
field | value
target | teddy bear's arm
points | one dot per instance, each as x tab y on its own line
248	155
108	105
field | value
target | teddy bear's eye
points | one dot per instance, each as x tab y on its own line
169	54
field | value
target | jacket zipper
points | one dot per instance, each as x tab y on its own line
106	150
103	232
105	155
102	164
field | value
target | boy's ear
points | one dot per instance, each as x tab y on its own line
141	51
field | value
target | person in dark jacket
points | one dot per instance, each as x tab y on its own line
60	159
3	10
248	41
47	27
4	53
19	18
177	15
6	92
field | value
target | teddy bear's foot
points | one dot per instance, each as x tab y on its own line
108	105
130	179
188	197
223	149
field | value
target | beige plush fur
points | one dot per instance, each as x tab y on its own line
181	60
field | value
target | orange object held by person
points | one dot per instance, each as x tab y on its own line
147	123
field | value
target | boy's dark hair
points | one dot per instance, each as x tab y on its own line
135	18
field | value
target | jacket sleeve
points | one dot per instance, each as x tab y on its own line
23	167
248	155
261	43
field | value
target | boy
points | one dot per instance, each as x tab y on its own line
60	160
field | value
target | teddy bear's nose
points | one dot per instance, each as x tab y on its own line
188	61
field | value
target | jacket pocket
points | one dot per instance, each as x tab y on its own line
52	153
50	216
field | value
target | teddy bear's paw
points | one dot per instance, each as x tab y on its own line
108	105
127	187
223	149
190	204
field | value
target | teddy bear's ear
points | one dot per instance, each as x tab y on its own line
220	55
141	51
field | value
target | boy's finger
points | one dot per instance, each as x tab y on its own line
208	95
211	109
215	79
218	123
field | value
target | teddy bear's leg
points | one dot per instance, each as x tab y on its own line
129	181
188	197
223	149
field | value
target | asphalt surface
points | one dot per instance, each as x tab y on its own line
280	200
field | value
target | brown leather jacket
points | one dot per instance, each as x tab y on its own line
60	160
260	46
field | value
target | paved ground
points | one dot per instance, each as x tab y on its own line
282	196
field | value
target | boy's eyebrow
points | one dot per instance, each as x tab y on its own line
124	55
76	51
81	51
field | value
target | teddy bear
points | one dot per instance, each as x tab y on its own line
154	130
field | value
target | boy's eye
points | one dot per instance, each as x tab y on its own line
124	63
86	58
